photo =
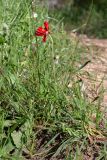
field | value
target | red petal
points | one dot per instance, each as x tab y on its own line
40	32
44	38
46	24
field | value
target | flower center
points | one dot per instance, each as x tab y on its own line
46	32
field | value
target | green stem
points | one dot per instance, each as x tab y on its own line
38	69
54	74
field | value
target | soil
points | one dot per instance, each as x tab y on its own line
94	74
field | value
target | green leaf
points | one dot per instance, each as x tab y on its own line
8	123
12	78
6	149
16	136
2	39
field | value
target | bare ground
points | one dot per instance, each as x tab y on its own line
94	74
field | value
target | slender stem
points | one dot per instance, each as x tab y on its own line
38	68
52	57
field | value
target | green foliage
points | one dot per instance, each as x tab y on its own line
34	92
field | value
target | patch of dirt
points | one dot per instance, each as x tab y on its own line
45	147
94	74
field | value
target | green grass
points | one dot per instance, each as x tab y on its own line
40	116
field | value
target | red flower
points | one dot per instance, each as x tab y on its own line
43	31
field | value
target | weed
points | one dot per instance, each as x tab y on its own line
40	116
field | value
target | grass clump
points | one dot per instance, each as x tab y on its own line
40	116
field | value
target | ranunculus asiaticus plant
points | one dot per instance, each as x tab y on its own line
43	32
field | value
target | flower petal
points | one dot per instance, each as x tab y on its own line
40	32
46	24
44	38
